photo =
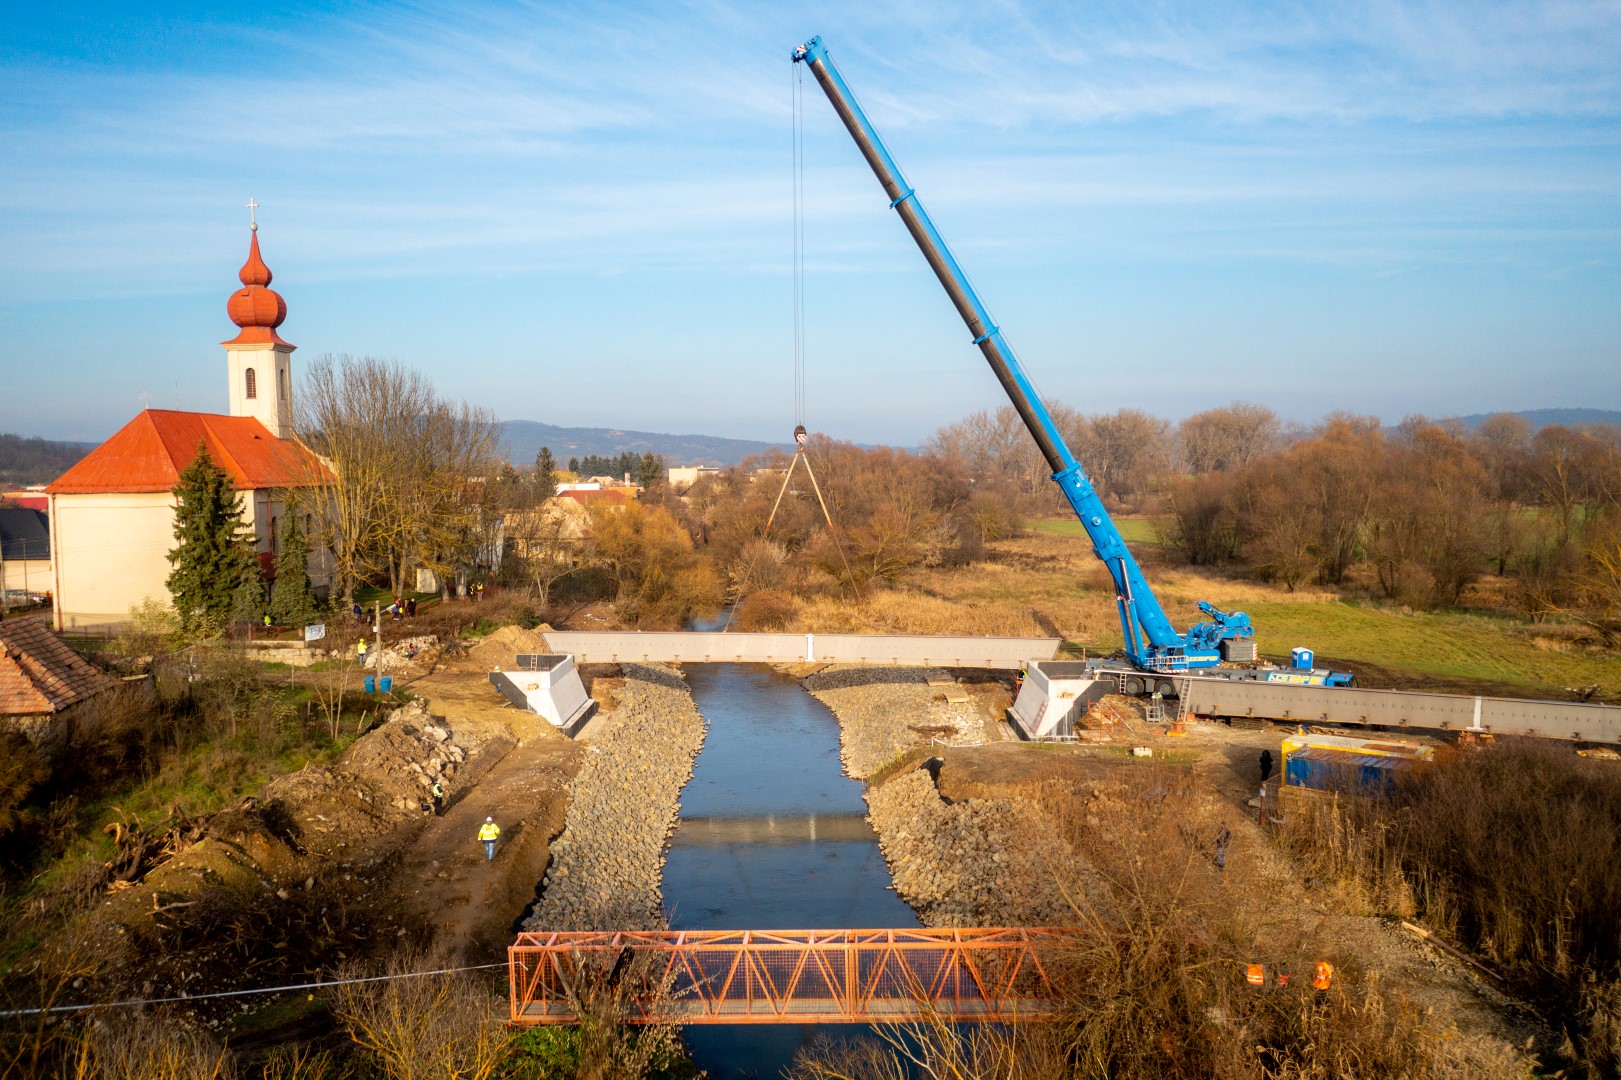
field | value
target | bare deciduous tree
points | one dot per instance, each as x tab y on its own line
1217	440
405	461
1125	452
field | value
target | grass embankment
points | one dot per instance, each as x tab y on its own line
1049	583
186	751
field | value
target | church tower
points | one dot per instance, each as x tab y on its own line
259	361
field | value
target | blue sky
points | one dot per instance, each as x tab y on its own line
581	213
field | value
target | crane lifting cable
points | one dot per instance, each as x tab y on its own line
801	435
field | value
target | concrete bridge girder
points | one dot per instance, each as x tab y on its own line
889	650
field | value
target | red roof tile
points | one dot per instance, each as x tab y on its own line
40	673
606	496
151	451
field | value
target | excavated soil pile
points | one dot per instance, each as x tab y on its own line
608	865
498	649
382	781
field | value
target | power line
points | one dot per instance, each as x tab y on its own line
244	993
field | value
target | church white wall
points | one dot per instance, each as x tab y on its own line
110	553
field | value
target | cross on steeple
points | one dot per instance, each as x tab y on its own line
253	220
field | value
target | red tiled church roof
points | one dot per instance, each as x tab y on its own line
151	451
40	673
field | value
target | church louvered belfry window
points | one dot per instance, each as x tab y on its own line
252	384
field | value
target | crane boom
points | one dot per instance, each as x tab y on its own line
1152	642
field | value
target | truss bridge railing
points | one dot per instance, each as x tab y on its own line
788	976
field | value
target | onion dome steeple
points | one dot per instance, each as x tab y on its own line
256	308
259	363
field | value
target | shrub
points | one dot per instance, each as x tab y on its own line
1513	852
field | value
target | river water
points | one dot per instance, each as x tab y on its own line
773	836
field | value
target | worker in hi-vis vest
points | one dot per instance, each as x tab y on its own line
487	833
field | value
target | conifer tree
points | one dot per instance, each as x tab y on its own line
292	598
545	474
214	564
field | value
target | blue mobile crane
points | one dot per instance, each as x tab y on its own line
1153	645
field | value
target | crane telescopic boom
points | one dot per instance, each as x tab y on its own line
1152	642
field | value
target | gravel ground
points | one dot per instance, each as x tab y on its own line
608	865
977	862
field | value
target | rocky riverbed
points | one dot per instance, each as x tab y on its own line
606	867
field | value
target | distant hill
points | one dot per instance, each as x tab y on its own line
1541	418
36	460
522	439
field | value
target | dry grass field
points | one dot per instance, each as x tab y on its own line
1049	582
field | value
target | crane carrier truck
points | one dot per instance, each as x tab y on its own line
1155	652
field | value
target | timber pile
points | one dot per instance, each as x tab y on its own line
137	848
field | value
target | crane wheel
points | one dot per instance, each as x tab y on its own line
1167	688
1134	686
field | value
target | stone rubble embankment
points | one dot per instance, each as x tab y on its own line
878	709
973	862
607	867
976	862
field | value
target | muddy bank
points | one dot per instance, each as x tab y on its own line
607	866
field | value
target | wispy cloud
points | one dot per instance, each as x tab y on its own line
392	141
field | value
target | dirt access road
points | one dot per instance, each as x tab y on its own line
443	882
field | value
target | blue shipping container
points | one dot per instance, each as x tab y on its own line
1321	769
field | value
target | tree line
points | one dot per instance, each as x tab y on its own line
1418	514
645	470
35	460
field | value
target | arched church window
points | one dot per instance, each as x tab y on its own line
281	379
252	384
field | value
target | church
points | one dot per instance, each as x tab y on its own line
112	514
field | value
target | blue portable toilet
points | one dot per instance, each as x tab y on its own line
371	684
1303	658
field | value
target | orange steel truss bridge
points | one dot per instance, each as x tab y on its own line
789	976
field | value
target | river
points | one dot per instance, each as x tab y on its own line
773	835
